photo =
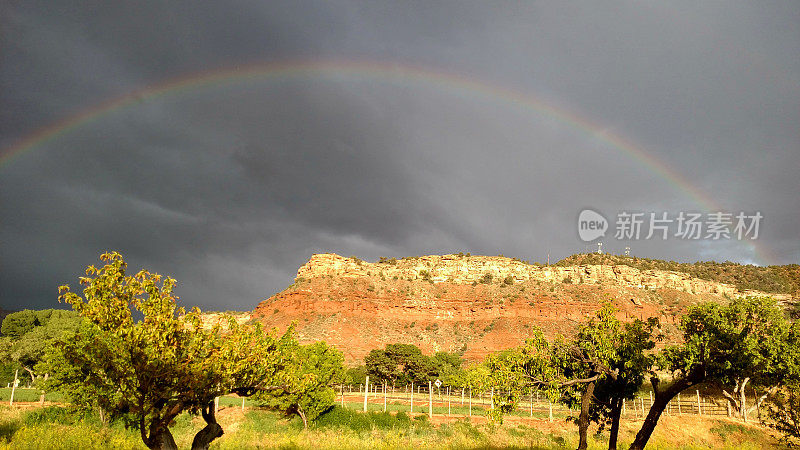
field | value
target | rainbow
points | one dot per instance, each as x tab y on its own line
389	72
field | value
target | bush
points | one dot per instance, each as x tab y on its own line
60	415
338	417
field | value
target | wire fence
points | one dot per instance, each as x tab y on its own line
456	401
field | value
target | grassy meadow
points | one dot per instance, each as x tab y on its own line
30	426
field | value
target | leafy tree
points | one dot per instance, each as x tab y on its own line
18	323
783	411
399	364
448	366
356	375
147	371
595	356
721	343
631	363
568	370
31	333
314	370
766	359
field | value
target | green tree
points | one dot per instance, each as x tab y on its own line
720	343
399	364
783	411
146	371
568	370
448	367
765	359
30	335
18	323
314	370
631	362
356	375
593	357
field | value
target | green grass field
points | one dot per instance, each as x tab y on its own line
63	427
29	395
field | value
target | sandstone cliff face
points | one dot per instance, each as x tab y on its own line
468	269
470	304
474	304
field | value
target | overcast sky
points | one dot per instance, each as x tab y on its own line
230	186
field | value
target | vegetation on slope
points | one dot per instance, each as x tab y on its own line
773	279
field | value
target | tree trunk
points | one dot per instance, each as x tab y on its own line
662	398
162	440
583	419
742	400
302	415
616	412
31	374
211	431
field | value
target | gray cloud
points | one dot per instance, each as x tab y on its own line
230	186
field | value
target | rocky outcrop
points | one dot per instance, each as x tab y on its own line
470	304
469	269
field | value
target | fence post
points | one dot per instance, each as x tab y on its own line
623	407
342	395
384	397
679	403
366	391
491	399
412	397
216	404
430	399
699	411
531	402
448	400
651	399
551	409
242	404
470	401
462	396
14	388
642	406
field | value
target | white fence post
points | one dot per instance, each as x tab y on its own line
470	401
412	397
430	399
14	388
699	411
366	392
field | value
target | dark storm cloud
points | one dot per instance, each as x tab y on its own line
229	187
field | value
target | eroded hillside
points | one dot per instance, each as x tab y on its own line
474	304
